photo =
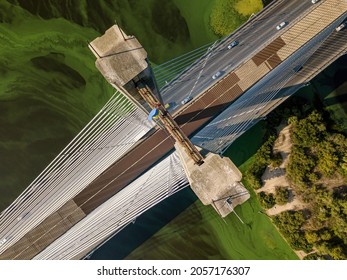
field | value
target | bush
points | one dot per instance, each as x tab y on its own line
313	256
276	160
282	195
309	131
224	19
262	160
267	200
312	237
290	223
248	7
253	178
300	166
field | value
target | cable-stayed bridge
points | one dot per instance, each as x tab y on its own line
122	164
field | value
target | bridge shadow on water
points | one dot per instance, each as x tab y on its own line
135	234
338	82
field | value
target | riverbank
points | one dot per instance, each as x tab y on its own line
276	177
305	193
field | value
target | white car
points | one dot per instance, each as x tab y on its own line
314	1
281	25
2	241
232	44
341	26
217	75
186	100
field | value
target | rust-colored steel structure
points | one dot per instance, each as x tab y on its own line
171	126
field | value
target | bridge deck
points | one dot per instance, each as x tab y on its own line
157	145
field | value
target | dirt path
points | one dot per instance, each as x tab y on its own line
277	177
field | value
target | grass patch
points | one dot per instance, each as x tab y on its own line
248	7
339	115
227	15
337	106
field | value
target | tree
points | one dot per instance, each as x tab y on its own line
344	165
311	236
301	164
267	200
328	159
276	160
309	131
264	154
282	195
324	234
337	253
258	166
313	256
293	120
224	19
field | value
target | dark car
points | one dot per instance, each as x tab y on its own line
297	69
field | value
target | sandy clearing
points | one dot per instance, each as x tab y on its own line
277	176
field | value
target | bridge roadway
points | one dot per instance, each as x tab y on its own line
190	117
255	34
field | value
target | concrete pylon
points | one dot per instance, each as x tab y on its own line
122	60
217	182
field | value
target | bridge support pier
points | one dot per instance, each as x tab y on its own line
216	182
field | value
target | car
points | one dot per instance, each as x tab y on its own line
170	105
297	68
3	241
217	75
341	26
281	25
314	1
186	100
232	44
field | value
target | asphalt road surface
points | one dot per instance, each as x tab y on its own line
257	32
